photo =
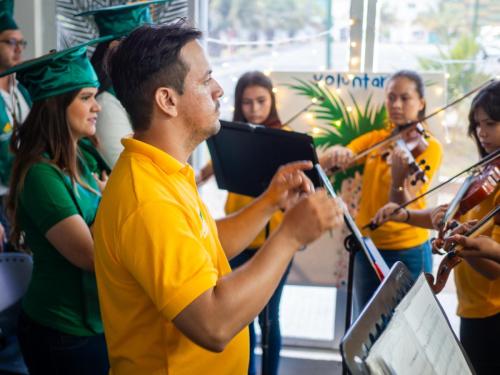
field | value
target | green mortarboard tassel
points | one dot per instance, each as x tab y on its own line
7	15
122	19
57	73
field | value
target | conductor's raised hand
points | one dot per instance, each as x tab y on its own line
289	184
311	217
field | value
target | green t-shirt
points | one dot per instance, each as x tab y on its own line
60	295
6	157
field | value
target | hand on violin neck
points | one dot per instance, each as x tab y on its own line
437	216
411	135
451	230
399	166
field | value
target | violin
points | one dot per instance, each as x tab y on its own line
475	189
413	149
412	125
400	131
452	258
472	195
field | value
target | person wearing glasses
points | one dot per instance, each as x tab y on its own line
14	99
14	107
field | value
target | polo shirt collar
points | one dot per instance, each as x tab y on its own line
166	162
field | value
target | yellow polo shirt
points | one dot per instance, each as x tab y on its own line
478	297
375	190
156	251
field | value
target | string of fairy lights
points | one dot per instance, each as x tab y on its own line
446	119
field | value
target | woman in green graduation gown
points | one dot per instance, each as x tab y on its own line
54	194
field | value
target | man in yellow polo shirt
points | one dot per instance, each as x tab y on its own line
169	301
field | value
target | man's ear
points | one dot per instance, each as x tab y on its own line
166	101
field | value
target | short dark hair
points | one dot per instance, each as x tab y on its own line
419	85
147	59
489	100
249	79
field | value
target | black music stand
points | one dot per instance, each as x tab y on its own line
245	157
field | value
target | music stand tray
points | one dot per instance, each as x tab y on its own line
245	157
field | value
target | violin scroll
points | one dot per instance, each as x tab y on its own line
450	261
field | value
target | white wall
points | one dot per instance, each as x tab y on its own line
37	21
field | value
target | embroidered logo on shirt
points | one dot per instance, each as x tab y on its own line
7	128
204	226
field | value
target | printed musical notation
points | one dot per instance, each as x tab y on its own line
418	339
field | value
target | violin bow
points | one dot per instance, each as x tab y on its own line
409	126
481	162
314	101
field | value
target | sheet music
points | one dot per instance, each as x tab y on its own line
418	339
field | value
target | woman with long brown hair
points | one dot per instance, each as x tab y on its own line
53	200
387	178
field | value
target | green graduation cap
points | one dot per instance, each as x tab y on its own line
122	19
57	73
7	15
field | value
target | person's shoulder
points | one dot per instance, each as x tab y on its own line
42	176
105	98
372	136
43	168
434	145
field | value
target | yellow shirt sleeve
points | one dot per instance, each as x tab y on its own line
478	297
166	256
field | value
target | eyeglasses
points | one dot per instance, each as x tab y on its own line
15	43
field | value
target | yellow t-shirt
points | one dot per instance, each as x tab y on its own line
375	190
157	250
236	202
478	297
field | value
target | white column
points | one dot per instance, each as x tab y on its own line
363	15
370	27
37	21
356	39
198	17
